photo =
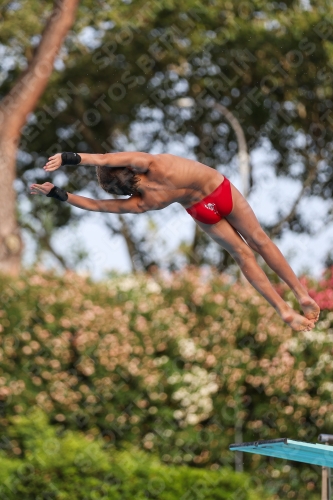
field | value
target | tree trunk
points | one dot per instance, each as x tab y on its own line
14	108
10	239
244	162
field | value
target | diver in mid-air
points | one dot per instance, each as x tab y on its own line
153	182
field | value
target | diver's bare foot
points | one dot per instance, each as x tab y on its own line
310	308
297	322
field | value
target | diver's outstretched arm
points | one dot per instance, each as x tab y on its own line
124	206
135	160
130	205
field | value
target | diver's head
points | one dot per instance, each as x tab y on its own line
117	180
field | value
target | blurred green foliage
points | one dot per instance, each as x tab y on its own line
66	465
170	363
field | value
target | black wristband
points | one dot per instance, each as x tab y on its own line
70	159
58	194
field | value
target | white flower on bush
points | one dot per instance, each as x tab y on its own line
295	345
128	283
152	286
161	361
175	378
317	336
195	394
187	348
178	414
323	363
326	386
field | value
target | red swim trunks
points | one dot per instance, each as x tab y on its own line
215	206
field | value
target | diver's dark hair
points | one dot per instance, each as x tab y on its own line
117	180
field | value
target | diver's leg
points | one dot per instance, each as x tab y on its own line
243	219
224	234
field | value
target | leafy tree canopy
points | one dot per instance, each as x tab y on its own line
145	75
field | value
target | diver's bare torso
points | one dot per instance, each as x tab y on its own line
171	179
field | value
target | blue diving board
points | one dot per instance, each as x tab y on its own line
316	454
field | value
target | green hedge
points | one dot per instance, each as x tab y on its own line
71	467
170	364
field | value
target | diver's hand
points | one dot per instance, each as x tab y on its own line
53	163
43	189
